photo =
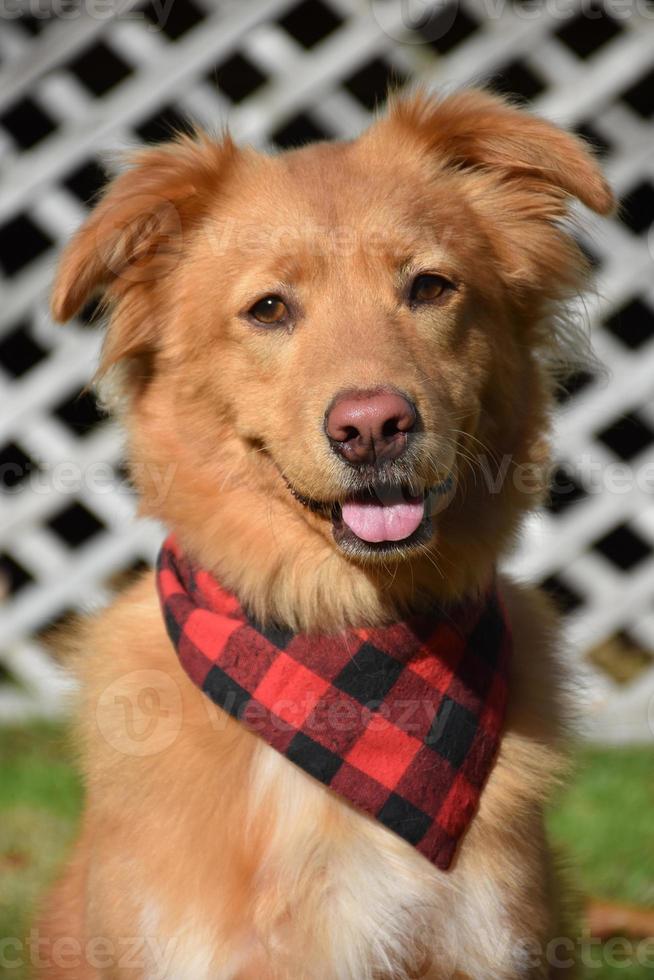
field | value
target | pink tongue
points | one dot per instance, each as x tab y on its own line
372	521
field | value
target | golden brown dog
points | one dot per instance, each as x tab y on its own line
255	301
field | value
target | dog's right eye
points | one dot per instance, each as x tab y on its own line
270	310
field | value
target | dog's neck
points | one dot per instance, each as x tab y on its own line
325	591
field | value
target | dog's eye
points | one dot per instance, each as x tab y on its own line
269	310
428	287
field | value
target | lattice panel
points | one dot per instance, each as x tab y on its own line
74	89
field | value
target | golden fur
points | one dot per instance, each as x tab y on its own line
196	835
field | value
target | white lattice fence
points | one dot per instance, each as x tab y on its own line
84	79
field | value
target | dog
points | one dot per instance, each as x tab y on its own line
339	362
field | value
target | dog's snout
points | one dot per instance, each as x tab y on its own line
367	427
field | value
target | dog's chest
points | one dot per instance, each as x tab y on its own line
355	900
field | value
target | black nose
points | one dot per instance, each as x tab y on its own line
370	427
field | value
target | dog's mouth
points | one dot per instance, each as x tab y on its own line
388	519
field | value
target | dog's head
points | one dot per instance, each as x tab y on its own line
333	358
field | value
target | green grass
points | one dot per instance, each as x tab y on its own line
40	798
604	821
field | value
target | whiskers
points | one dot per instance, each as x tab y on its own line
472	466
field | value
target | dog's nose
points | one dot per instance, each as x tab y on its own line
368	427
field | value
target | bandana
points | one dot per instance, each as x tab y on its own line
404	721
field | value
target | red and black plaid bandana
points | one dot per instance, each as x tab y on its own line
403	721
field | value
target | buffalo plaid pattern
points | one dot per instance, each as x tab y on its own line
403	721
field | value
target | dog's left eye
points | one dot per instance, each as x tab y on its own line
428	287
269	310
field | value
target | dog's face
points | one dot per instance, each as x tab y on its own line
342	337
342	340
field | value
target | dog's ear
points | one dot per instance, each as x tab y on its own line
135	233
474	129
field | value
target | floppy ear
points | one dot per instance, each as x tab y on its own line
135	233
520	175
474	129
